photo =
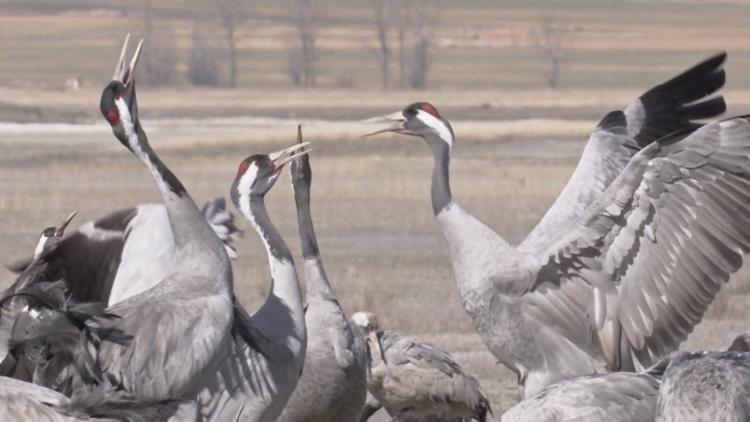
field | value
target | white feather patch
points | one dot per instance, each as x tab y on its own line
437	125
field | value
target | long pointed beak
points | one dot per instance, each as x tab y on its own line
373	336
125	74
300	161
279	158
60	230
393	122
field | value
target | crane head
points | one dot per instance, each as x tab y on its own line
258	173
367	323
300	172
419	119
118	101
50	237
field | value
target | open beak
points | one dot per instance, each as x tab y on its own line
279	158
300	159
392	123
60	230
122	73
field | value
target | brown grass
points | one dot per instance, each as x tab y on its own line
380	244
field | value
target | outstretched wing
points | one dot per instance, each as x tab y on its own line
131	247
667	108
658	245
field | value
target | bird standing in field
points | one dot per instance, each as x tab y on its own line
259	371
179	326
417	381
333	385
647	230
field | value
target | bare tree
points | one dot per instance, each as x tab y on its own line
402	20
380	17
552	38
304	19
158	62
231	13
423	16
203	63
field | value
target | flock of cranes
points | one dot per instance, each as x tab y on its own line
134	316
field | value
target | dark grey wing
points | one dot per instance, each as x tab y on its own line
654	251
95	257
667	108
616	397
52	334
705	386
88	259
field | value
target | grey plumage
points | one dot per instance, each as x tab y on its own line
638	244
125	252
417	381
333	385
260	369
173	348
707	386
616	397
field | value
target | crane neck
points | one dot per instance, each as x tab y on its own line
283	274
261	222
187	223
441	190
316	280
305	224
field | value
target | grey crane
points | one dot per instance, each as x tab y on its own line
38	267
417	381
333	385
123	253
616	397
47	334
179	326
649	227
705	386
261	367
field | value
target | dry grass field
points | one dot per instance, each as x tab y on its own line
517	141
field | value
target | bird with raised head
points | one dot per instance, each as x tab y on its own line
649	227
333	385
261	367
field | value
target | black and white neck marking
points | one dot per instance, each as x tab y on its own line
252	205
137	142
423	120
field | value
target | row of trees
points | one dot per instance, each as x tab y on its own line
404	29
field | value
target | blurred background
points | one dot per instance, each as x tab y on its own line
522	81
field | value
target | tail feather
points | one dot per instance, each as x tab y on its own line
222	222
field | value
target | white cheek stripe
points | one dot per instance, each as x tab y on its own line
40	247
437	125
